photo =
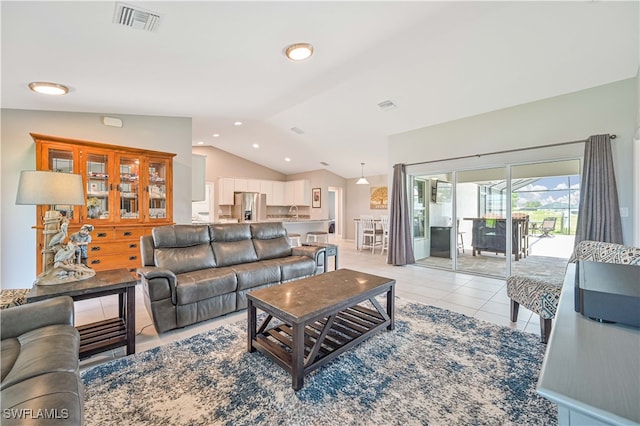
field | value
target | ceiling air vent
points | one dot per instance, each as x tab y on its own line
136	18
386	105
324	163
297	130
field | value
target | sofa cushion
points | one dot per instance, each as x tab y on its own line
10	349
50	348
180	236
256	274
185	259
230	232
234	252
273	248
293	267
204	284
267	230
270	240
58	392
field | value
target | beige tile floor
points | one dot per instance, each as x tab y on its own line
480	297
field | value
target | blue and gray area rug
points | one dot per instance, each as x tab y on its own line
437	367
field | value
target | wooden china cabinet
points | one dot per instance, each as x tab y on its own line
129	191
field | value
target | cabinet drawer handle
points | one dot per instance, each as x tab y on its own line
133	257
95	248
132	269
102	234
95	262
127	233
133	245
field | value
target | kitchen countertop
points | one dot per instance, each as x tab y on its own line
283	220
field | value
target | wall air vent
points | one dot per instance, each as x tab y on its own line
136	18
387	105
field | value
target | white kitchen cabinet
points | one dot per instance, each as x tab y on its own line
253	185
278	194
289	193
240	185
266	187
298	193
226	187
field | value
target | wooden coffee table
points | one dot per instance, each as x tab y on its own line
103	335
320	317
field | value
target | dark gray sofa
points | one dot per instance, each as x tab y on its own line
193	273
40	380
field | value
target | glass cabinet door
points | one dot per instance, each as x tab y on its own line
97	177
157	189
129	188
60	160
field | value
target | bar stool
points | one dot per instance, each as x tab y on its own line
316	236
294	240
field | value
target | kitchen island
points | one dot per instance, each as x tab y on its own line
303	226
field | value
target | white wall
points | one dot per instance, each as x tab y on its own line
168	134
611	108
358	197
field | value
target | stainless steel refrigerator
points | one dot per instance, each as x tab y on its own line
250	206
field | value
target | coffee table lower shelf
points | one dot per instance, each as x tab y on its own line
324	339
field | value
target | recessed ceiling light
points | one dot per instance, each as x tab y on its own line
216	135
238	123
255	145
287	159
48	88
299	51
200	143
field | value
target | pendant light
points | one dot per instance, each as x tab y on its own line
362	180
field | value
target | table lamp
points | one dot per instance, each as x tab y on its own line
59	263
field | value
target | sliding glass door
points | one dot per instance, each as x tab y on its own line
432	224
481	209
497	221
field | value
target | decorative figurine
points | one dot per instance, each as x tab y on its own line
81	240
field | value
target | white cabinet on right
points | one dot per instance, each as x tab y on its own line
298	193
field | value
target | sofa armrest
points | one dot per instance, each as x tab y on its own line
310	251
21	319
160	282
314	252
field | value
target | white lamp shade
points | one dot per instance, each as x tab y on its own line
362	181
49	188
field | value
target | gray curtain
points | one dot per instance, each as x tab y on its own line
400	243
599	212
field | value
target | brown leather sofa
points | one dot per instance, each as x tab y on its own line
40	380
193	273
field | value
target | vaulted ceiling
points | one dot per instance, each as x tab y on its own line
222	62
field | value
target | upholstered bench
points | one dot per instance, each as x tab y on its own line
541	295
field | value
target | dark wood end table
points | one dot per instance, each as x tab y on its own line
321	317
329	250
102	335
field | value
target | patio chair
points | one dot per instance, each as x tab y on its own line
548	225
541	295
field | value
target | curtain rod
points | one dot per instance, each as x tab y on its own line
502	152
